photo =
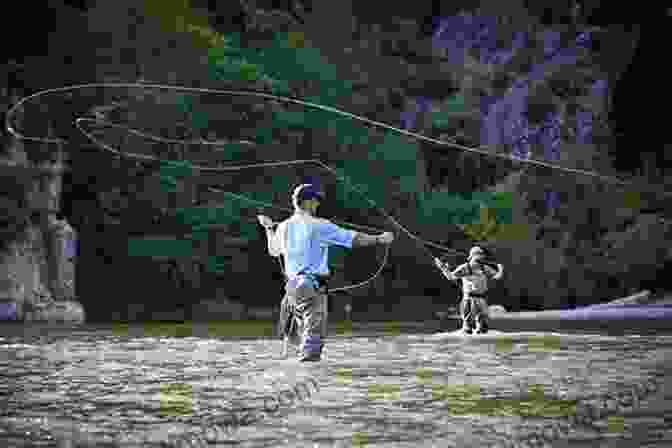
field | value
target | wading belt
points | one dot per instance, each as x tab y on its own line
321	280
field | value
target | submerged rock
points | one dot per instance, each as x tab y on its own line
66	311
494	309
9	311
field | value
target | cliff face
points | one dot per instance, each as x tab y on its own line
30	283
38	253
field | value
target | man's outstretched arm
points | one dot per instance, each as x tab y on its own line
363	239
331	234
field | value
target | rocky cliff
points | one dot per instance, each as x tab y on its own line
37	267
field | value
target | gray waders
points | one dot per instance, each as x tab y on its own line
303	315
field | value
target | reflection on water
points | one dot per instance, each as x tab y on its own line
101	387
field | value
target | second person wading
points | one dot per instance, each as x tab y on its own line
475	275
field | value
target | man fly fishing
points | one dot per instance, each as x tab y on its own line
475	274
303	241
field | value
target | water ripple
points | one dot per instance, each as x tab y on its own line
93	389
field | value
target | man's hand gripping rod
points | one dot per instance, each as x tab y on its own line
444	268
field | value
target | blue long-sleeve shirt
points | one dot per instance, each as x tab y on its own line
303	240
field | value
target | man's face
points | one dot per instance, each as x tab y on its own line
311	205
317	200
475	259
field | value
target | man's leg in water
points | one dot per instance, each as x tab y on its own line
325	317
290	325
312	308
481	314
467	312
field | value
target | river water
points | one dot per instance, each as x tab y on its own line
122	387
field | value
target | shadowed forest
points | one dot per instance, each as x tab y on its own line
574	86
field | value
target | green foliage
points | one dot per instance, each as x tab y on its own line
447	207
398	156
173	14
314	66
199	236
321	119
217	265
485	228
290	119
337	256
231	151
455	105
231	62
349	191
200	217
230	48
176	169
502	204
229	69
199	119
279	87
168	184
285	61
499	203
408	184
347	130
444	206
264	136
159	247
184	104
